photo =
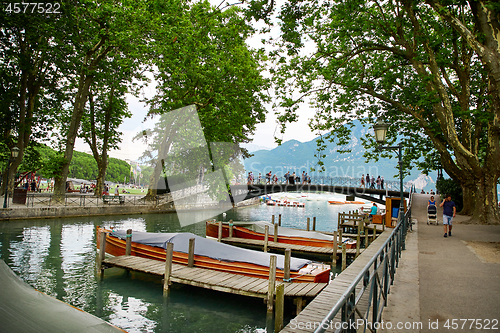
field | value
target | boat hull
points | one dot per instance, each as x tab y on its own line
212	230
115	246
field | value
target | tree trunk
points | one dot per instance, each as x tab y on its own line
78	109
480	200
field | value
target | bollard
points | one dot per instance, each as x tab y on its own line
288	257
272	282
266	238
308	224
219	237
335	248
276	233
230	228
280	307
272	219
314	223
344	257
279	220
191	253
128	245
168	267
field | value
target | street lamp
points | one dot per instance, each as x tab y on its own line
14	153
380	129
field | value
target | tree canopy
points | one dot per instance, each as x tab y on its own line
430	68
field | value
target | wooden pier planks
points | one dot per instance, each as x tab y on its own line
211	279
283	246
310	317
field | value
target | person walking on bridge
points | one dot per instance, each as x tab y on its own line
449	212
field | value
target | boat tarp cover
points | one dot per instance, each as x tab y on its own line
24	309
260	227
210	248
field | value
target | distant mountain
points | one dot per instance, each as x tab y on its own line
296	156
252	147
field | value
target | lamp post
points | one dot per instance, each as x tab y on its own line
380	129
14	153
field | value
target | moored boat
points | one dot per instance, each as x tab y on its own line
256	230
212	255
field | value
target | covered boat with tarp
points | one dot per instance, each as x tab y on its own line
256	230
212	255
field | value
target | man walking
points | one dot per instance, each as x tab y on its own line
449	212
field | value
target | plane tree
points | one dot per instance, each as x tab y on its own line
103	30
202	59
430	68
32	49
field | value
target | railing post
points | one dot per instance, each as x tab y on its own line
128	244
272	282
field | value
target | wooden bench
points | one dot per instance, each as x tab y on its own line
112	198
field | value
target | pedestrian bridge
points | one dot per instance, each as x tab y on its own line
256	190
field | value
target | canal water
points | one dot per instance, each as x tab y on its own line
57	257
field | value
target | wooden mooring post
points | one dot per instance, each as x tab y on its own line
314	223
275	233
344	257
272	219
230	228
102	254
307	228
168	267
272	283
219	237
128	244
288	257
191	253
280	308
335	247
361	231
279	220
266	238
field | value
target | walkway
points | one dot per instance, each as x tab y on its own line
314	312
447	280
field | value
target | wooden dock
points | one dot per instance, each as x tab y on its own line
303	249
211	279
312	315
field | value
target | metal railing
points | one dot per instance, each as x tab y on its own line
360	307
82	200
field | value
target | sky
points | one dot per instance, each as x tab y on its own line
263	136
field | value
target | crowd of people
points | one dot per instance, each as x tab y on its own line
270	178
372	182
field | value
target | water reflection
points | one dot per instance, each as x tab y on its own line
57	256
